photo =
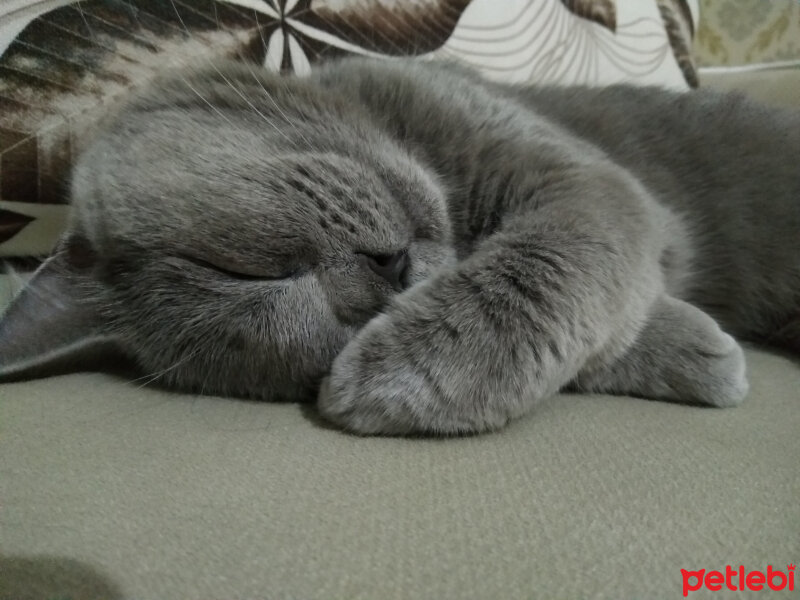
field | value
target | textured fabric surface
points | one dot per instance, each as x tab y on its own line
111	491
776	86
64	63
741	32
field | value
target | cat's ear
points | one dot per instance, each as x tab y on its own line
54	323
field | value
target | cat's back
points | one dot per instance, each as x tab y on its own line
684	145
703	141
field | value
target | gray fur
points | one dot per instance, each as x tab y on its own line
232	231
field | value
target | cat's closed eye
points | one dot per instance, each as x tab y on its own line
278	276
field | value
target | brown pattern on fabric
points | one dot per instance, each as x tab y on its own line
743	32
603	12
679	25
408	28
73	60
11	224
324	29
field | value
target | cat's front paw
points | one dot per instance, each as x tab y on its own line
423	371
713	371
700	362
681	354
373	387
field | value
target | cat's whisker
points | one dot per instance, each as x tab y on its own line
180	19
251	105
269	96
210	61
286	118
203	98
151	377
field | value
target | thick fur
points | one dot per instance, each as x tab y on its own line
595	239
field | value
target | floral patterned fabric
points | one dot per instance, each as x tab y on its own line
742	32
64	62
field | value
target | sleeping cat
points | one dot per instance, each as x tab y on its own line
428	251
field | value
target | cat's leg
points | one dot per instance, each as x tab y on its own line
569	281
681	354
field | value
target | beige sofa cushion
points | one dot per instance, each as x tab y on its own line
776	86
114	490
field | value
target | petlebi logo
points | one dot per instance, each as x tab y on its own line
739	579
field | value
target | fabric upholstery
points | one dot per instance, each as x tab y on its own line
111	490
775	86
743	32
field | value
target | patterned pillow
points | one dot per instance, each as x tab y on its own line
62	62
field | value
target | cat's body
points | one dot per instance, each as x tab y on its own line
235	232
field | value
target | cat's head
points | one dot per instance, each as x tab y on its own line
230	232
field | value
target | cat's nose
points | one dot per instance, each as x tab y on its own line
392	267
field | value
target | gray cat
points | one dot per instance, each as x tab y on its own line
429	251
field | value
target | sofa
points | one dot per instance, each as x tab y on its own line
111	488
